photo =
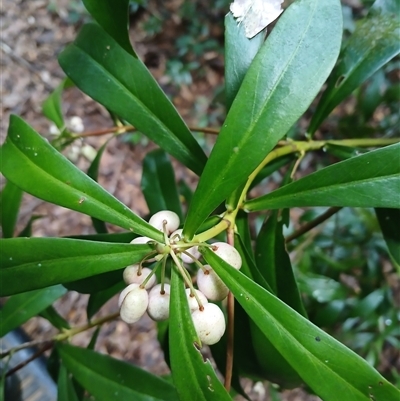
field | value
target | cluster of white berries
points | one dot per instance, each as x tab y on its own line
143	294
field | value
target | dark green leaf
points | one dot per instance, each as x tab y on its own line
27	230
343	152
158	183
108	379
20	308
282	81
95	283
52	107
239	53
54	317
368	180
32	263
326	365
10	200
66	391
193	377
274	263
124	237
389	220
122	83
93	172
113	17
374	42
36	167
98	299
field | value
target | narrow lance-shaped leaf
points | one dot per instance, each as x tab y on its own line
113	17
123	84
20	308
31	263
374	42
108	379
52	107
274	263
158	183
10	201
191	374
30	162
389	220
282	81
326	365
368	180
239	53
65	388
93	172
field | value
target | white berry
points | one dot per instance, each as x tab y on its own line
194	250
228	253
133	303
209	324
192	301
211	285
141	240
131	276
172	219
158	308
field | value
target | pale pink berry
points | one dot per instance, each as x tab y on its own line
131	276
228	253
192	301
158	308
209	323
194	250
141	240
172	219
133	303
211	285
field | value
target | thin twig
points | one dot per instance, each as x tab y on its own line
312	224
31	358
29	344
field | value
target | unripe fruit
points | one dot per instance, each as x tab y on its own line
131	276
211	285
192	301
209	324
133	302
158	308
172	219
228	253
194	250
141	240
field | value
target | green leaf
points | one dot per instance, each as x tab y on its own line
158	183
122	83
32	263
27	230
282	81
389	221
192	376
37	168
374	42
52	107
124	237
327	366
54	317
113	17
368	180
93	173
274	263
20	308
10	201
95	283
99	298
239	53
108	379
66	391
385	7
